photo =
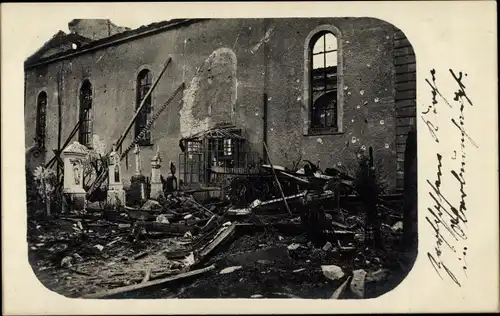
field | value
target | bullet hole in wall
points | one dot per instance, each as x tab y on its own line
366	121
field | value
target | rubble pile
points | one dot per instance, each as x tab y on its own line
252	244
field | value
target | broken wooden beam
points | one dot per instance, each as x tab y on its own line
295	178
223	236
141	286
277	181
165	228
141	105
202	189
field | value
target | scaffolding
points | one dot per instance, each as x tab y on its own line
211	157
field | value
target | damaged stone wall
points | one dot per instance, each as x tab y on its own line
211	96
368	95
228	72
95	29
205	61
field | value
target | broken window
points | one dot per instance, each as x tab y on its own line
324	82
85	131
41	109
144	82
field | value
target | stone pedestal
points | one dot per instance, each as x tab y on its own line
73	157
137	189
138	181
156	185
116	194
171	181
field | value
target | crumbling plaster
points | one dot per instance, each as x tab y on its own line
250	58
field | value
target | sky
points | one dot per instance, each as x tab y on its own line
49	18
49	28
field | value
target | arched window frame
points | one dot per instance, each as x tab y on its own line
307	89
41	118
147	112
85	131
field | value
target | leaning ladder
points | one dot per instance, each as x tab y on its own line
102	176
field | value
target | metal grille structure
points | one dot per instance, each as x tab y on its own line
211	157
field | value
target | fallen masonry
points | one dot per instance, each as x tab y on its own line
249	245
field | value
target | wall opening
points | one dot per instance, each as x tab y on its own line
41	119
144	82
86	115
323	81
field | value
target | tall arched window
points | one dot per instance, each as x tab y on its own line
323	82
85	131
41	109
144	81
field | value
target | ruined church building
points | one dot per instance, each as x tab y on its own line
321	89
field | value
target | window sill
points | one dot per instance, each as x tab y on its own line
325	131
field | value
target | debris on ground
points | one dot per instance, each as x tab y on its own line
249	244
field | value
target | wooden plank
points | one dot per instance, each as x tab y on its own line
141	286
277	181
169	228
294	177
228	232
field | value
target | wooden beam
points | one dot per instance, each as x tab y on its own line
277	181
140	286
143	102
217	241
294	177
68	140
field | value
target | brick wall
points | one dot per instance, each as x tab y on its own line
405	97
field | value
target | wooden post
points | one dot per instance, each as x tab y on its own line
264	118
277	181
